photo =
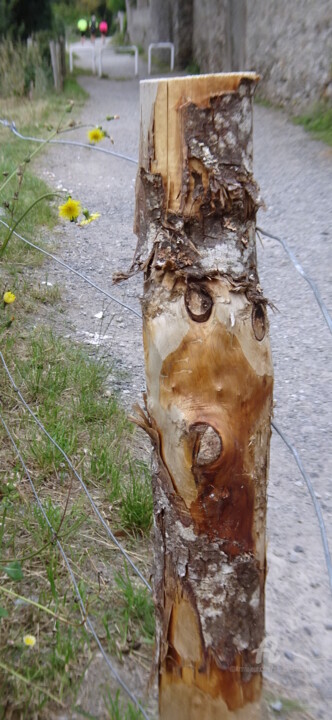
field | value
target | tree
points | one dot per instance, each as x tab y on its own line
20	18
209	392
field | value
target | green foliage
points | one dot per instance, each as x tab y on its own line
317	121
21	67
19	19
115	5
193	68
136	507
118	711
11	155
137	606
14	571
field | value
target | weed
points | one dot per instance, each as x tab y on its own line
46	293
193	68
136	502
137	606
118	711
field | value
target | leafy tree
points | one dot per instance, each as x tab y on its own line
115	5
19	18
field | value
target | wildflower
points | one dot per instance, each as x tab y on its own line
70	210
29	640
8	297
89	218
96	135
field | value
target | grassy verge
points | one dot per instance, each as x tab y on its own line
318	122
68	392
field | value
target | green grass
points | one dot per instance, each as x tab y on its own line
318	122
193	68
136	611
68	391
38	119
117	710
27	186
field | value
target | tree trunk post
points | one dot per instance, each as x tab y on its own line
209	392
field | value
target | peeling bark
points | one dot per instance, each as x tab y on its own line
209	391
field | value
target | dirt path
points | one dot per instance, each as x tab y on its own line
295	175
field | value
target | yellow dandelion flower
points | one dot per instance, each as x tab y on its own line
29	640
8	297
70	210
96	135
89	219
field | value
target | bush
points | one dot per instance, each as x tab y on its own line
21	66
19	18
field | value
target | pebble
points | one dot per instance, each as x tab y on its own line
298	549
289	655
293	557
276	706
328	626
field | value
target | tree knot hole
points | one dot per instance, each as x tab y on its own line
198	302
207	444
258	320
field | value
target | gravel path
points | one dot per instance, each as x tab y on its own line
295	175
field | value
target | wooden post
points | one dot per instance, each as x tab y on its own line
58	63
209	391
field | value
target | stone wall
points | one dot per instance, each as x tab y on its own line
139	23
210	35
290	44
219	34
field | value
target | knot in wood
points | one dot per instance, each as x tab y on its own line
258	320
198	302
207	446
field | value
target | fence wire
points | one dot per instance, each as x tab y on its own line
291	448
11	125
133	311
72	270
302	272
86	618
316	504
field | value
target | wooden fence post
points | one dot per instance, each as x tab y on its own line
58	60
209	391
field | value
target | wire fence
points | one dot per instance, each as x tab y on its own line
11	125
128	308
86	618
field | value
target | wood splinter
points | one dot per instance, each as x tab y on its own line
209	392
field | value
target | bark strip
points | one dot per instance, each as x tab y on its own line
209	391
